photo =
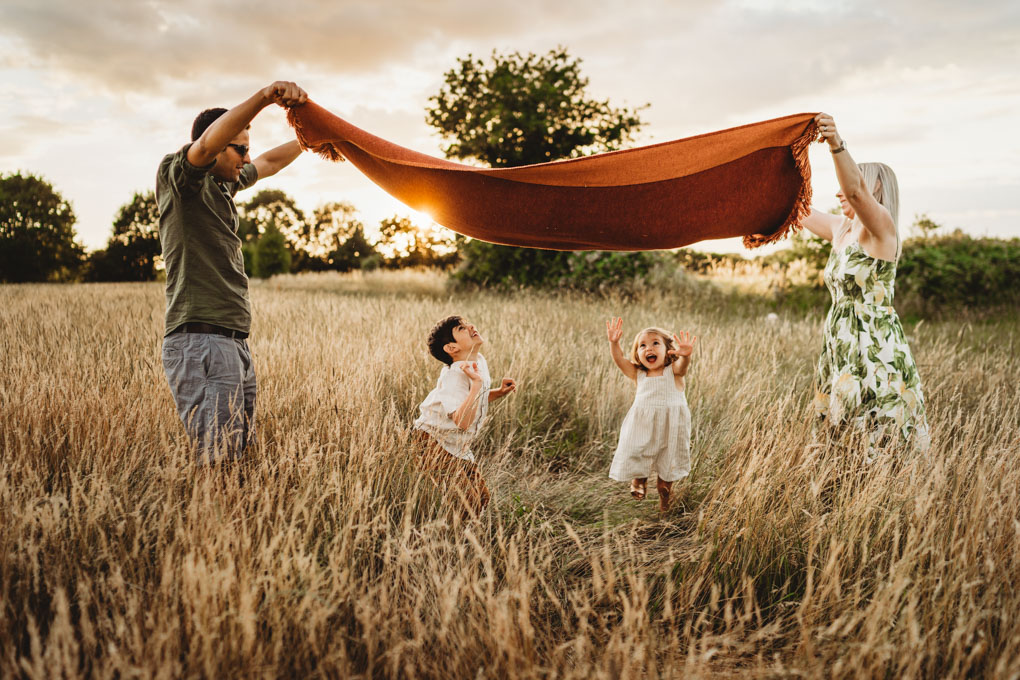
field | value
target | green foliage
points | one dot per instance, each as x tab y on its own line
519	110
271	207
589	270
333	238
37	237
805	246
925	226
353	252
956	270
404	244
337	239
134	248
271	255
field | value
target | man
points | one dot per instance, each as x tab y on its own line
208	313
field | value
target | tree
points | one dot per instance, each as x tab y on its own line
269	206
133	251
337	238
275	208
925	226
37	237
271	255
405	244
519	110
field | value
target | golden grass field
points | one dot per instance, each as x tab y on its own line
326	555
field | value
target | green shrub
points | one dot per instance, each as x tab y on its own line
959	270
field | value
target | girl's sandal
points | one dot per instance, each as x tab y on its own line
638	490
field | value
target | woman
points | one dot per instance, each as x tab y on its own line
866	375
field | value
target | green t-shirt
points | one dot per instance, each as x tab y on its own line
205	279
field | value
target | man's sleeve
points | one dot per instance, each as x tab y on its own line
249	175
453	389
181	176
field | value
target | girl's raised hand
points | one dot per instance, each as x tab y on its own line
684	344
614	329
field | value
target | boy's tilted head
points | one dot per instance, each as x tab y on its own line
453	339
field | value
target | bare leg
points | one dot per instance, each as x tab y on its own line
638	488
664	491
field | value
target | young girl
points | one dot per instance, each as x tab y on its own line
656	434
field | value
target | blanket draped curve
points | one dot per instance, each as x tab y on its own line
752	179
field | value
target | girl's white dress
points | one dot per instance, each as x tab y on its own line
656	434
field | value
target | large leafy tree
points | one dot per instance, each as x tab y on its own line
37	237
271	255
337	238
270	206
519	110
274	210
132	253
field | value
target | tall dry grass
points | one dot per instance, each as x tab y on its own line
324	555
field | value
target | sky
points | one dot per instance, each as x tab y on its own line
98	91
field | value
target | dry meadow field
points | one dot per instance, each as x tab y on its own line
326	555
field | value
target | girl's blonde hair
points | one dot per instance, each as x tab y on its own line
667	338
881	182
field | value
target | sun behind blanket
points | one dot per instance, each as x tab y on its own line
753	179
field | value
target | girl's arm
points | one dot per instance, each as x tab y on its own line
614	329
465	414
682	354
877	221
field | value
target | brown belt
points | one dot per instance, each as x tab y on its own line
198	327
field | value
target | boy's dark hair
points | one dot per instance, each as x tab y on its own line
440	335
203	121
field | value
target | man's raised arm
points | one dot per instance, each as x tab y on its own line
233	122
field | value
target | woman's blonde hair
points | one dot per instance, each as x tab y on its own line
667	339
881	181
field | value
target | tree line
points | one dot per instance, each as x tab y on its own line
38	240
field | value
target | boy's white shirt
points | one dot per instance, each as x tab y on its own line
451	390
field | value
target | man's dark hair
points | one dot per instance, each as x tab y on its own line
203	121
440	335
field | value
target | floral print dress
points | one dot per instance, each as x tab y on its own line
866	375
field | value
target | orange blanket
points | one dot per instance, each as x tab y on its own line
753	179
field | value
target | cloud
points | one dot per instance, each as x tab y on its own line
705	58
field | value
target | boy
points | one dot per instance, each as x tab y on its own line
453	412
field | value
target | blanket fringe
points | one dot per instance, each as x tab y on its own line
327	150
802	206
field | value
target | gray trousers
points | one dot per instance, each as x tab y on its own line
212	379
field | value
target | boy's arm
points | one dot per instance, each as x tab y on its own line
507	386
276	159
465	414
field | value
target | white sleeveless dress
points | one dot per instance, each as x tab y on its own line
656	434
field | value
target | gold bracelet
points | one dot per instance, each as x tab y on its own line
842	147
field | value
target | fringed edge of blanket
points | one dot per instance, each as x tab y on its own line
326	150
802	206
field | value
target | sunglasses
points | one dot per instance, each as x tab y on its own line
241	149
